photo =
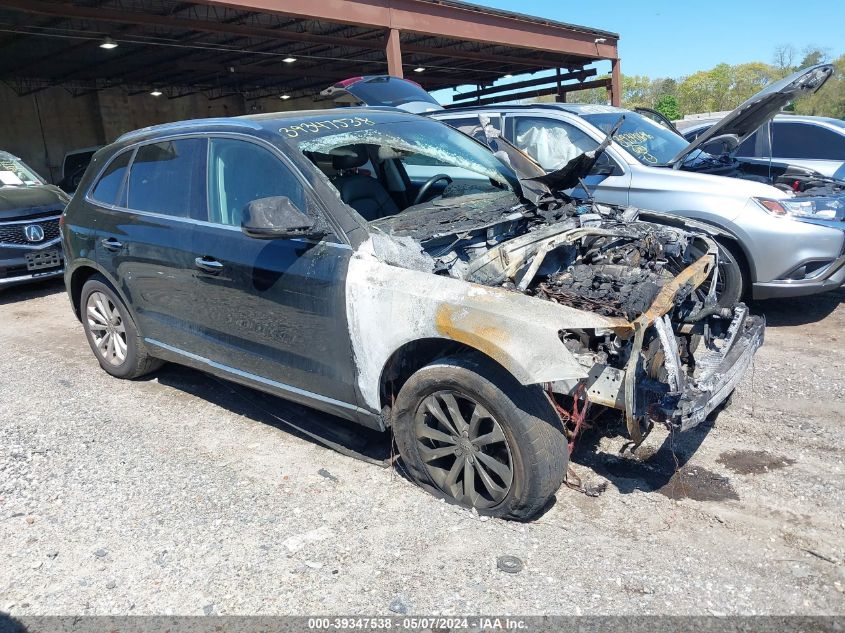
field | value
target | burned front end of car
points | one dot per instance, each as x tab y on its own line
680	354
585	299
667	351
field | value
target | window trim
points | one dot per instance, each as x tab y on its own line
337	233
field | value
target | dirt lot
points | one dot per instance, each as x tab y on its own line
182	494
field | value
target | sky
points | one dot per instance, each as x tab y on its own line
657	37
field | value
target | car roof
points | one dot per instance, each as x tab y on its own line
573	108
267	121
803	118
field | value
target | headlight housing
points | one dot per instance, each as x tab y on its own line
820	208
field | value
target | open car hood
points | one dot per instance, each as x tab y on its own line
762	107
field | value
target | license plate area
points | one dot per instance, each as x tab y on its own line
43	259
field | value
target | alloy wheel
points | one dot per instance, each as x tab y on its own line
464	449
106	326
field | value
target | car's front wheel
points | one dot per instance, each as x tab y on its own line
112	333
731	283
470	431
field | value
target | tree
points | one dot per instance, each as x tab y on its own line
784	59
749	79
636	91
813	56
667	105
830	100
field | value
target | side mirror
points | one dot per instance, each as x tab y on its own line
277	217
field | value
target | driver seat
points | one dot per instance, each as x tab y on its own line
363	193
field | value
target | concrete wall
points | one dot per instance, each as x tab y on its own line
41	128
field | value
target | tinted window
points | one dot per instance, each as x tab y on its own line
169	178
799	140
552	143
746	148
111	181
241	172
76	162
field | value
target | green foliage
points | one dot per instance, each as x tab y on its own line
667	105
830	100
724	87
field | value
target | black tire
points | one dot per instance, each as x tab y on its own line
537	448
732	277
137	361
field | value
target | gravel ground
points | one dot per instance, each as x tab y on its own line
182	494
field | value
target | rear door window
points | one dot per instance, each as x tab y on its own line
240	172
168	177
111	182
802	140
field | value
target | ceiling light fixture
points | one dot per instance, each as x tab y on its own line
508	76
419	69
284	96
289	60
156	93
108	44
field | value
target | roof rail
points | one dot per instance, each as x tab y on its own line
190	123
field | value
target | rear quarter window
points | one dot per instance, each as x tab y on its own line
111	181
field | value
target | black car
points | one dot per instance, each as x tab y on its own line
475	313
30	245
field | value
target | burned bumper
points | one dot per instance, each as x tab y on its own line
718	371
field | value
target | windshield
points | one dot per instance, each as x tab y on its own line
647	141
413	141
14	173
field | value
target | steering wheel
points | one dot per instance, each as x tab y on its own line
428	184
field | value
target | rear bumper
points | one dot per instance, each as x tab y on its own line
719	372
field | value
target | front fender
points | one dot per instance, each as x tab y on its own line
389	307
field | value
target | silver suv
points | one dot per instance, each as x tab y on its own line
782	242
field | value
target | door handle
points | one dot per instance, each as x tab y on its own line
112	244
208	265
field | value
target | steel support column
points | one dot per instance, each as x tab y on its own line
394	54
615	83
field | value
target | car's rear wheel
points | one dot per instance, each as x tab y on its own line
112	333
469	431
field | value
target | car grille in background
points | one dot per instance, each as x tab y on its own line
14	233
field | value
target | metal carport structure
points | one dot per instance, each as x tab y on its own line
210	57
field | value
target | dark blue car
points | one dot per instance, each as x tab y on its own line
476	313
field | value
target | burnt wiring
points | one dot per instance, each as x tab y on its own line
573	423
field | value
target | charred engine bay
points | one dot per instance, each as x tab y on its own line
588	256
